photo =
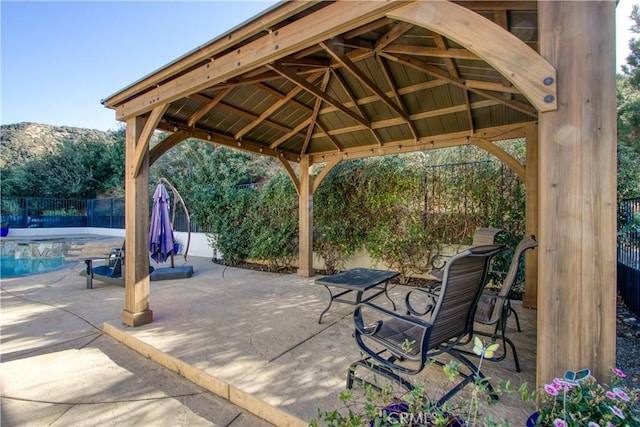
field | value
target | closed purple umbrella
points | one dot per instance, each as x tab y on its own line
160	230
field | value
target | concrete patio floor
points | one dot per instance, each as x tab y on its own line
251	337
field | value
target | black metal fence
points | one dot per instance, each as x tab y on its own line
34	212
629	253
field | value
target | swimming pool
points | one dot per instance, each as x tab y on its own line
11	267
31	255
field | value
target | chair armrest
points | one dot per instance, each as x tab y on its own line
359	318
431	292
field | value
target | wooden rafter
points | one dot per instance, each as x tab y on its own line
461	83
363	78
317	92
441	43
273	108
314	115
209	106
273	92
401	91
289	135
387	75
354	103
392	35
330	137
246	114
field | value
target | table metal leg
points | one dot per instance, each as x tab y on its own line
387	295
89	266
329	306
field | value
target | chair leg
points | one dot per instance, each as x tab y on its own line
515	314
376	369
475	373
506	341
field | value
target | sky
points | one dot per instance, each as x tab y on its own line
58	60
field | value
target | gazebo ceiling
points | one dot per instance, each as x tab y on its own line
382	86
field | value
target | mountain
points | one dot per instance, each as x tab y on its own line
23	142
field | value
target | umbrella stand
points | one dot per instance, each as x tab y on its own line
178	198
162	243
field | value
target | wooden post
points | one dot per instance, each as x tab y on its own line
136	311
577	215
530	299
305	266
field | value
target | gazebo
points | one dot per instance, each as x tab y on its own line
318	82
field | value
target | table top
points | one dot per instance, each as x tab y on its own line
358	279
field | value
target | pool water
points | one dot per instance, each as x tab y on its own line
10	267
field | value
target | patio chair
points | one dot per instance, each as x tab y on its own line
396	345
110	272
494	308
482	236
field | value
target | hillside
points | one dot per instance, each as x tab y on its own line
23	142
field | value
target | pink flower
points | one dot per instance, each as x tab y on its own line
621	394
610	424
560	423
611	395
592	424
549	388
618	372
561	384
617	411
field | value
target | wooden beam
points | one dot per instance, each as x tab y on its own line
136	310
305	242
310	30
502	155
397	121
525	68
577	253
204	53
291	173
142	146
318	93
166	144
430	51
425	143
229	141
530	298
324	172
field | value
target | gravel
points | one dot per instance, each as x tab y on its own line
628	345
